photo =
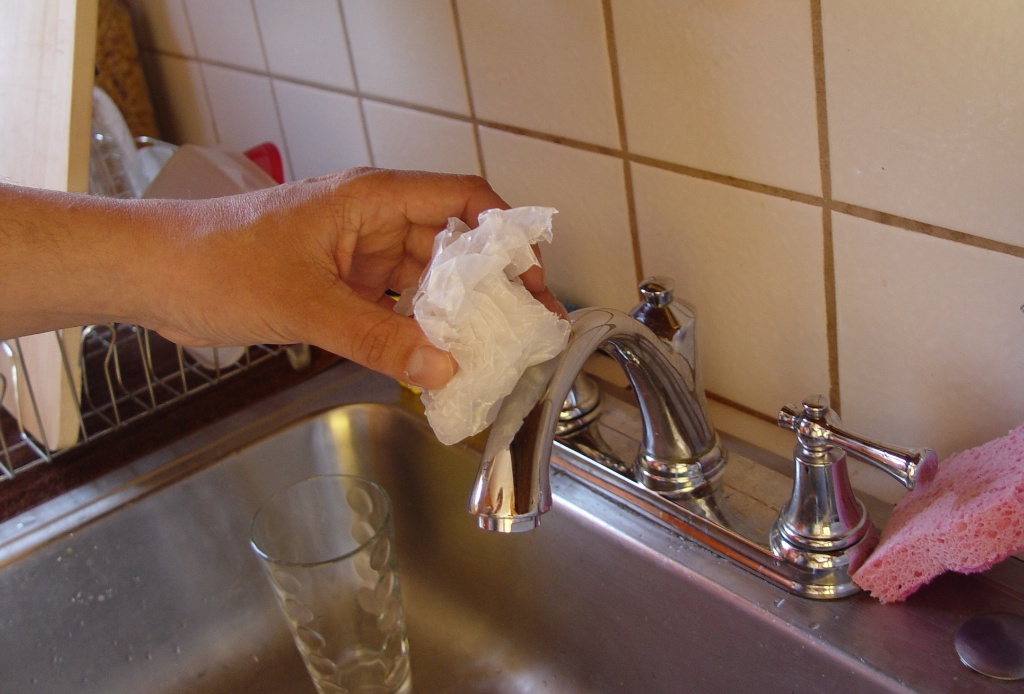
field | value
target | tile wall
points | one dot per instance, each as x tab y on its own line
838	186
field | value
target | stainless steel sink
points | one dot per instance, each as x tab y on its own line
144	581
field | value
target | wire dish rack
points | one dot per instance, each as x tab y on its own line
127	373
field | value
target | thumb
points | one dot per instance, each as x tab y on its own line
387	342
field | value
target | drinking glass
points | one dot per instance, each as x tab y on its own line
327	547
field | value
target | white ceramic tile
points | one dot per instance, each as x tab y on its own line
305	41
542	66
179	98
726	87
162	25
243	108
324	130
752	264
926	111
402	138
930	337
590	262
225	31
407	50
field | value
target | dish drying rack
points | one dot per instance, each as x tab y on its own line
128	374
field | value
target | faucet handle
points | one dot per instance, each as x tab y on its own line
818	427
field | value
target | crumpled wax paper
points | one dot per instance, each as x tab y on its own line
471	302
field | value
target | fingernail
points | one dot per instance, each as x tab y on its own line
429	367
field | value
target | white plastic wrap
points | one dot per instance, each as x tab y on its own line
471	303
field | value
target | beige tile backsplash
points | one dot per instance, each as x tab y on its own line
409	139
544	67
225	31
243	106
406	50
927	116
837	186
309	45
752	264
590	261
928	328
725	87
340	135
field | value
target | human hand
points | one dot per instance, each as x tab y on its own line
311	262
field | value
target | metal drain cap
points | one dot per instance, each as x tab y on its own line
993	645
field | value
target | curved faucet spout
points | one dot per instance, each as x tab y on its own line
680	451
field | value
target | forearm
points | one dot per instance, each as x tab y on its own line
303	262
69	260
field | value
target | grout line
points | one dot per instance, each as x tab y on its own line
730	181
202	75
357	93
464	64
620	118
273	92
554	139
732	404
828	246
933	230
634	225
613	64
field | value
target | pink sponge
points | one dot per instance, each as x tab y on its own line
970	517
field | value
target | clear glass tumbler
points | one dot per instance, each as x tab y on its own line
327	547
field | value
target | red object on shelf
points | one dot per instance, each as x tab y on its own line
268	157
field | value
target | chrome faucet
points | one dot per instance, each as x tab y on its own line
679	454
660	455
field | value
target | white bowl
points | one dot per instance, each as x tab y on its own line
216	357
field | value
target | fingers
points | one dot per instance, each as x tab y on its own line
535	281
459	196
375	336
429	367
425	200
552	304
476	196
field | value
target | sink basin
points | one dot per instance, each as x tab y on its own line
144	581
